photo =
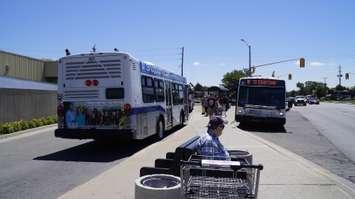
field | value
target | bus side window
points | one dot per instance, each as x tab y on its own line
159	90
148	89
181	94
175	94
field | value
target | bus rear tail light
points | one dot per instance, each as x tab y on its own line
127	108
95	82
88	82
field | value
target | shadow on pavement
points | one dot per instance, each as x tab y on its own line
103	150
262	128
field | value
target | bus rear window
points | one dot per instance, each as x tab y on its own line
114	93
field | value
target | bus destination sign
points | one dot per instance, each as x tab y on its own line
263	82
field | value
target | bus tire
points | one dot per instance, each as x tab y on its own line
160	128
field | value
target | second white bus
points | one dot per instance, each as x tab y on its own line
261	100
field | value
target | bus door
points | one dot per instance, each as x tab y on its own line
186	101
169	107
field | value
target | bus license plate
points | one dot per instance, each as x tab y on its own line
254	112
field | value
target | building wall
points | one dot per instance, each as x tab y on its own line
51	71
21	104
22	67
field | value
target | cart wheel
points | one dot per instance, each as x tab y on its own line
158	186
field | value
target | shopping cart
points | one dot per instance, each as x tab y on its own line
217	179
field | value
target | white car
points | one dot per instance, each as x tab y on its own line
300	100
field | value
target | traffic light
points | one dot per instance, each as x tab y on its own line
302	62
289	76
273	74
347	76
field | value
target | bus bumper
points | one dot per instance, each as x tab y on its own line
267	120
93	133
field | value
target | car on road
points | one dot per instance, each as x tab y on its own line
300	100
313	100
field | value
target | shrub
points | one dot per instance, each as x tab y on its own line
10	127
31	124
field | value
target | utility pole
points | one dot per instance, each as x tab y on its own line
182	61
339	75
249	46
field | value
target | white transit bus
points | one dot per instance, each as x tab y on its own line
113	94
261	100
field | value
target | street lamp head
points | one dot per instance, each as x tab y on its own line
246	43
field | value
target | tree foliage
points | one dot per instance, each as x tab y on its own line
198	87
230	80
318	89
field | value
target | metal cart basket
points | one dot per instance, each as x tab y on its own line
219	179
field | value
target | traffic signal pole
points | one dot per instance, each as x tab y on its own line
249	60
339	75
278	62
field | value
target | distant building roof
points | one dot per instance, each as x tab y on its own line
14	54
13	83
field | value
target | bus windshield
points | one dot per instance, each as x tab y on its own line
263	96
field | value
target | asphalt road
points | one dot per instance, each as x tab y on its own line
42	166
336	122
322	134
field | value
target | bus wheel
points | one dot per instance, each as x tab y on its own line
182	119
160	129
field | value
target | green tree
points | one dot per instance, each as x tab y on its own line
198	87
231	79
292	93
340	88
301	88
318	89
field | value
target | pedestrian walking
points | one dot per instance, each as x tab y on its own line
212	106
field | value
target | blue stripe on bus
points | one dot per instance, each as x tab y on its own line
146	109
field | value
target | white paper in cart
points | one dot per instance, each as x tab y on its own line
219	163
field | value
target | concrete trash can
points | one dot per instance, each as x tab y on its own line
158	186
239	155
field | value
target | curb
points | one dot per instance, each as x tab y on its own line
33	130
345	184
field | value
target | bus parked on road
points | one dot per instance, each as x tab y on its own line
261	100
113	94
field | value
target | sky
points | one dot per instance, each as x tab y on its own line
323	32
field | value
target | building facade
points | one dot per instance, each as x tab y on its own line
28	68
25	92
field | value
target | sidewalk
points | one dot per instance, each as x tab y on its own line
285	174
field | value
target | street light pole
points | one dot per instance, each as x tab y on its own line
249	48
249	59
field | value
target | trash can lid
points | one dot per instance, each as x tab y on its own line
160	181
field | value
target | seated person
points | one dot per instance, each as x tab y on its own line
209	144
